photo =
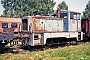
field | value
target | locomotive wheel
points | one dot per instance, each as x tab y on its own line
29	47
2	45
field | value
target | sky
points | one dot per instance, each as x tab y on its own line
74	5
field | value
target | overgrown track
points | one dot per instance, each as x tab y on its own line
19	49
44	47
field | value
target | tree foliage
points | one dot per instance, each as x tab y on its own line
63	6
18	8
86	13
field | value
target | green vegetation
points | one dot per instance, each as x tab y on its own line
19	8
86	13
74	52
63	6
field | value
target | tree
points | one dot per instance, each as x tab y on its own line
86	13
63	6
18	8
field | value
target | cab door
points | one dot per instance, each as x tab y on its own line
25	24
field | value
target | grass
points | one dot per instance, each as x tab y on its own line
77	52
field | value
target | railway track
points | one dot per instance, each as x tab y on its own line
19	49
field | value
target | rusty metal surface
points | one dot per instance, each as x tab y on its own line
85	24
6	37
41	16
10	19
47	25
8	33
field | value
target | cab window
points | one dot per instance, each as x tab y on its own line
4	25
63	15
14	25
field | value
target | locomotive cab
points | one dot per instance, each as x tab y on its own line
72	22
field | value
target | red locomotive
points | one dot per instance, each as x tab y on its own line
8	30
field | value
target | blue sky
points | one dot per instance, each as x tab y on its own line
75	5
